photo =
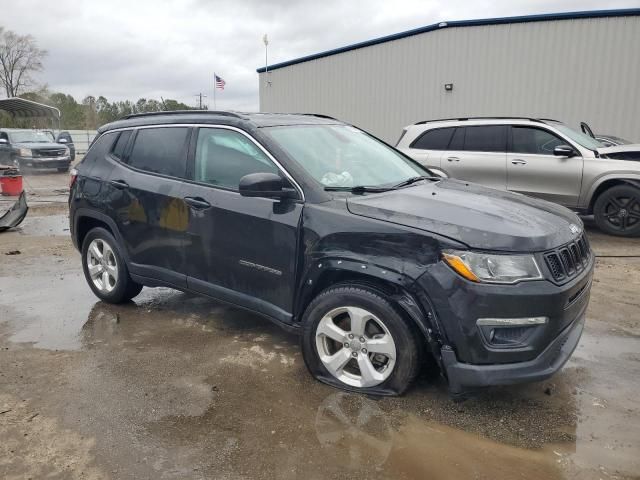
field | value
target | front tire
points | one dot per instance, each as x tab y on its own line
617	211
105	269
355	339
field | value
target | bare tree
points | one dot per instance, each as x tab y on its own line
20	57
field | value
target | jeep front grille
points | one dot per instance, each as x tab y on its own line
569	260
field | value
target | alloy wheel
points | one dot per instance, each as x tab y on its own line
102	265
622	212
355	346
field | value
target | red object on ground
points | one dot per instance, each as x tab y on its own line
11	185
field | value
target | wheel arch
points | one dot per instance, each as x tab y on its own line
85	220
606	184
395	286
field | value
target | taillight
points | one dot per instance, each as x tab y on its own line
73	177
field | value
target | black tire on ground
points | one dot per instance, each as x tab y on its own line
125	288
617	211
405	335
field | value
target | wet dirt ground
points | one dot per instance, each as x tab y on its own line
176	386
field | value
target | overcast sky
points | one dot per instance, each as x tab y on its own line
151	48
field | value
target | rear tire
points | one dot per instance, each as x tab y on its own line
105	269
356	340
617	211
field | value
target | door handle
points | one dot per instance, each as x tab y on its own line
518	161
453	159
119	184
197	203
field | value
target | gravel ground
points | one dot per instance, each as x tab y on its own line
176	386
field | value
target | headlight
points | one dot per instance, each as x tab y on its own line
492	268
67	151
24	152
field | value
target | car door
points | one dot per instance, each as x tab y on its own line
478	154
145	195
534	170
239	249
5	149
64	138
427	149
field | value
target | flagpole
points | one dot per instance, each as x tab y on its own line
214	91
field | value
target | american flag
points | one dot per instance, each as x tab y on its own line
220	83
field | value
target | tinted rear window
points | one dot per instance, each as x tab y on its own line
99	148
161	150
489	138
457	142
437	139
121	143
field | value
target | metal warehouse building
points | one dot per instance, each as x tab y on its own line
579	66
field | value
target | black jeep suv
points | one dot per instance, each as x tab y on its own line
331	233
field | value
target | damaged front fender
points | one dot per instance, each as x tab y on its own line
15	215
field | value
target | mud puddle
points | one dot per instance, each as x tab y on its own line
178	386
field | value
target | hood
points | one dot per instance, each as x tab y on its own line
477	216
39	145
634	147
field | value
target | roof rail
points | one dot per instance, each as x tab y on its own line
461	119
319	115
172	112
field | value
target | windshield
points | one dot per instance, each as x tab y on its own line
343	156
23	136
581	138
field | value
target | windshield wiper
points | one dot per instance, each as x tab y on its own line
412	180
358	189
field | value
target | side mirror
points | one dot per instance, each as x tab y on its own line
3	141
267	185
62	140
564	151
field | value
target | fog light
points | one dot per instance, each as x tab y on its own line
511	332
512	322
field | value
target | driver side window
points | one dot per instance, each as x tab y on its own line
535	141
223	157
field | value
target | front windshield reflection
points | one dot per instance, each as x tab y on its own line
343	156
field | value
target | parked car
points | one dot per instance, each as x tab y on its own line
541	158
327	231
33	149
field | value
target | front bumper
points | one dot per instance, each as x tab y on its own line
473	356
44	162
464	376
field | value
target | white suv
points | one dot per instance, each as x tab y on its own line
538	157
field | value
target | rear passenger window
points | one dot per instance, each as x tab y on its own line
98	149
489	138
457	142
223	157
161	150
437	139
534	141
121	143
